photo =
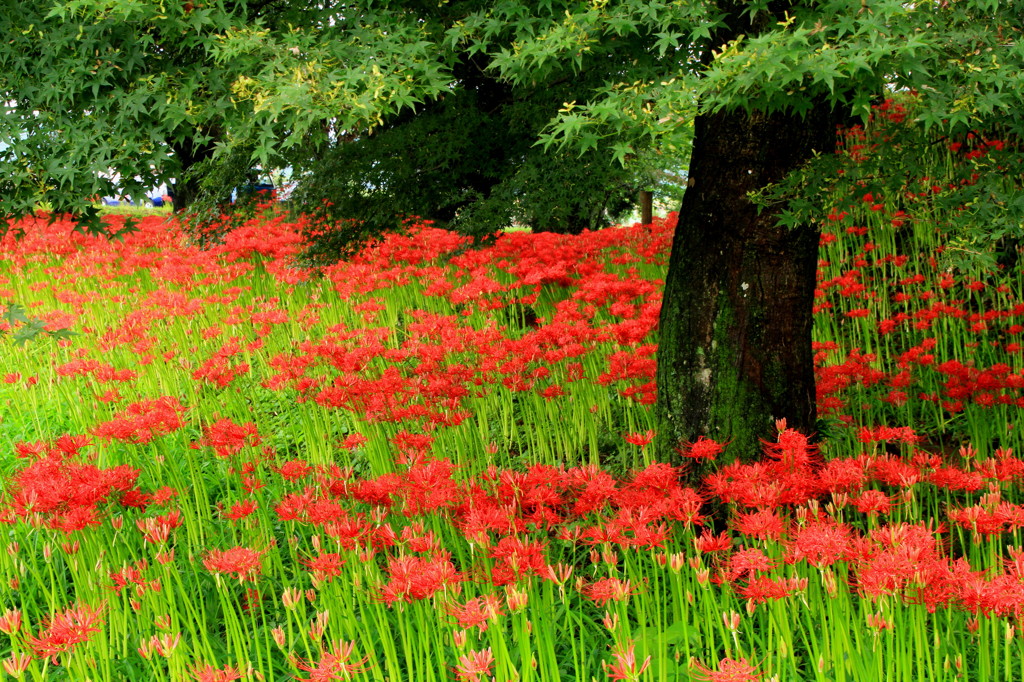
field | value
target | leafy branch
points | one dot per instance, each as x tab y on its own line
26	328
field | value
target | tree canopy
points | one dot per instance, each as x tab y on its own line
104	98
377	107
100	94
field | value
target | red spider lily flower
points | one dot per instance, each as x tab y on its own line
333	664
702	449
242	561
429	486
353	441
878	622
762	588
820	543
657	476
252	483
418	541
843	475
65	492
157	529
64	630
745	562
76	518
142	421
162	496
517	559
477	612
28	450
70	445
111	396
240	510
162	645
294	469
350	531
639	439
897	434
595	489
474	664
325	566
729	670
625	666
607	589
708	542
792	449
414	577
324	511
228	438
293	506
765	524
136	499
207	673
953	478
555	391
873	502
129	575
217	369
1015	564
980	520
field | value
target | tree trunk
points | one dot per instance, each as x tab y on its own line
189	153
735	347
646	207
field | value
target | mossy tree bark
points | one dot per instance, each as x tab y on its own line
735	347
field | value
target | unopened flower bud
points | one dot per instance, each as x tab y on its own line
16	664
731	620
279	637
10	622
611	620
291	597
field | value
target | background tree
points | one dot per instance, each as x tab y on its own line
392	110
109	97
112	96
469	161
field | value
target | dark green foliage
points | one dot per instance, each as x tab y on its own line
103	100
467	160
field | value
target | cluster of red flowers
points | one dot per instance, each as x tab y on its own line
951	341
64	630
513	515
599	294
243	562
65	494
141	421
442	362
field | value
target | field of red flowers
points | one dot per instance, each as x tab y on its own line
429	463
